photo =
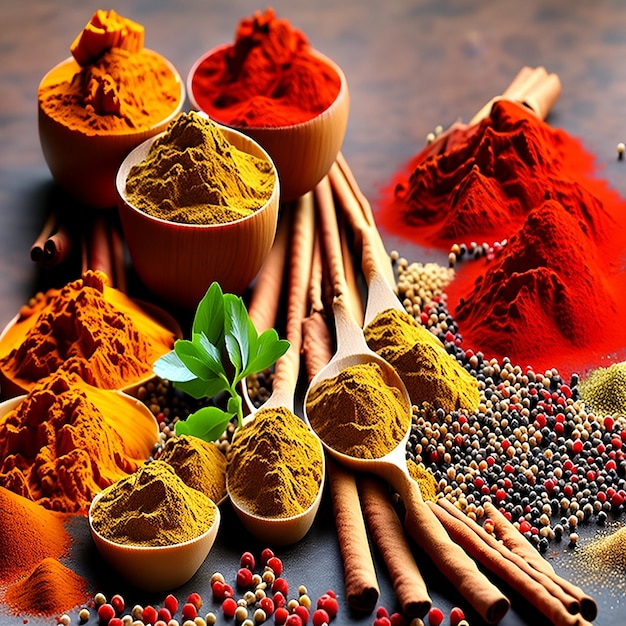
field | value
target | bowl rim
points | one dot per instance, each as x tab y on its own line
120	183
343	88
182	96
128	547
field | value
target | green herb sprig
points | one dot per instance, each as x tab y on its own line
225	348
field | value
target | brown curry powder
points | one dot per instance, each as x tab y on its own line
275	464
152	507
358	412
429	373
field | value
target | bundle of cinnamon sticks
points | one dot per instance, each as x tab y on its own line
97	236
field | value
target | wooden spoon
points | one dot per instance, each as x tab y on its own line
286	531
420	522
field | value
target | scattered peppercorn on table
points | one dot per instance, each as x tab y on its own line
413	70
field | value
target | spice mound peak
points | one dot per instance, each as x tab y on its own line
484	186
88	328
529	302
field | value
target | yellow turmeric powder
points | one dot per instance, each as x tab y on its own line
112	85
200	464
66	441
358	413
152	507
275	464
85	327
194	175
429	373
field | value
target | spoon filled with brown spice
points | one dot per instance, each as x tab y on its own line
275	465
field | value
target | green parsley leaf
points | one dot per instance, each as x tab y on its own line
225	348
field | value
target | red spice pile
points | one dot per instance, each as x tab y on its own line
268	77
553	296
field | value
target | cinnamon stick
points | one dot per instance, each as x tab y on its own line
453	561
57	247
360	581
388	535
490	558
517	543
265	297
117	255
569	601
37	249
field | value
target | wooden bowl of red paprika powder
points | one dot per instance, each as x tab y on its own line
295	106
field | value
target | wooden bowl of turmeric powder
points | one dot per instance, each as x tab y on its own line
85	133
302	139
198	204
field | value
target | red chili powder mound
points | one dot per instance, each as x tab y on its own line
268	77
50	589
488	179
554	295
544	300
29	534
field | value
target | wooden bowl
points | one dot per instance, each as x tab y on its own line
178	262
156	568
85	164
303	153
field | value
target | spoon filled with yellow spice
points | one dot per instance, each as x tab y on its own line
275	464
359	407
430	373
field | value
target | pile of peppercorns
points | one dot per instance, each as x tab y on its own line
532	448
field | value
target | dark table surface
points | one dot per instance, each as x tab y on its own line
411	65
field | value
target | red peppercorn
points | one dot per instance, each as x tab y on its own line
302	612
435	616
456	615
229	606
106	612
244	577
116	621
381	611
266	555
397	619
382	621
331	593
294	620
320	617
280	584
329	604
164	614
280	615
195	599
118	603
279	599
189	611
275	564
217	588
247	560
267	604
149	615
171	603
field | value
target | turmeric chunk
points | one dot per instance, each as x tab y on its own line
106	30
